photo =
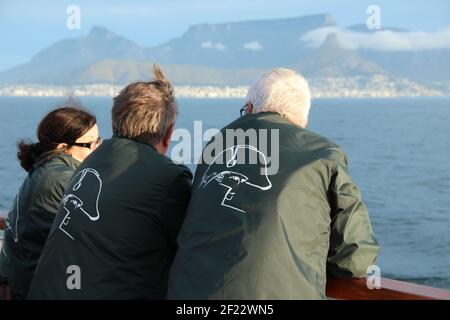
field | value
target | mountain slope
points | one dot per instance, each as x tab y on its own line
330	60
113	71
59	61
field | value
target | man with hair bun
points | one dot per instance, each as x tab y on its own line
115	233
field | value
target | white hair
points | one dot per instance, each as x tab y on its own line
283	91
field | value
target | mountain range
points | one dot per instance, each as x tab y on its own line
227	54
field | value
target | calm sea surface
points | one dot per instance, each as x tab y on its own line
399	151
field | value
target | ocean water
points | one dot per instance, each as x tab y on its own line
399	152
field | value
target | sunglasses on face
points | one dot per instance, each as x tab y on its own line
91	145
243	110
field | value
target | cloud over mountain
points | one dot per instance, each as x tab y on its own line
383	40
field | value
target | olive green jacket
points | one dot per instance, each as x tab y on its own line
253	233
31	218
115	234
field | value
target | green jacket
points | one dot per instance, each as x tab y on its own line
115	234
31	218
252	233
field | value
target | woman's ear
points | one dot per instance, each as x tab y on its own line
64	146
61	146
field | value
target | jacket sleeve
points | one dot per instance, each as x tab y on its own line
175	204
353	246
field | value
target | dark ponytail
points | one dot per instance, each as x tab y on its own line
28	152
63	125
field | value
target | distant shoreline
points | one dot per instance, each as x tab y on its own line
377	86
240	98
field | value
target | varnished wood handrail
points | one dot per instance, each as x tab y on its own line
2	226
356	289
2	223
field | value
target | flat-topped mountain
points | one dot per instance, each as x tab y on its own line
228	54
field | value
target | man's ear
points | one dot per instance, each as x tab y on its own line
166	139
250	107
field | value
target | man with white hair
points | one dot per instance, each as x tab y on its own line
255	233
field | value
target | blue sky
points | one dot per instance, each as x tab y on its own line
28	26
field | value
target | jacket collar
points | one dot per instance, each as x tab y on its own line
68	160
115	136
58	157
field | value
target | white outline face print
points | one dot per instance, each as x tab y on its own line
74	205
230	178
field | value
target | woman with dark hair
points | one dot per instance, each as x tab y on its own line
66	136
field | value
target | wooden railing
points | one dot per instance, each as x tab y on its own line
2	226
2	222
356	289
